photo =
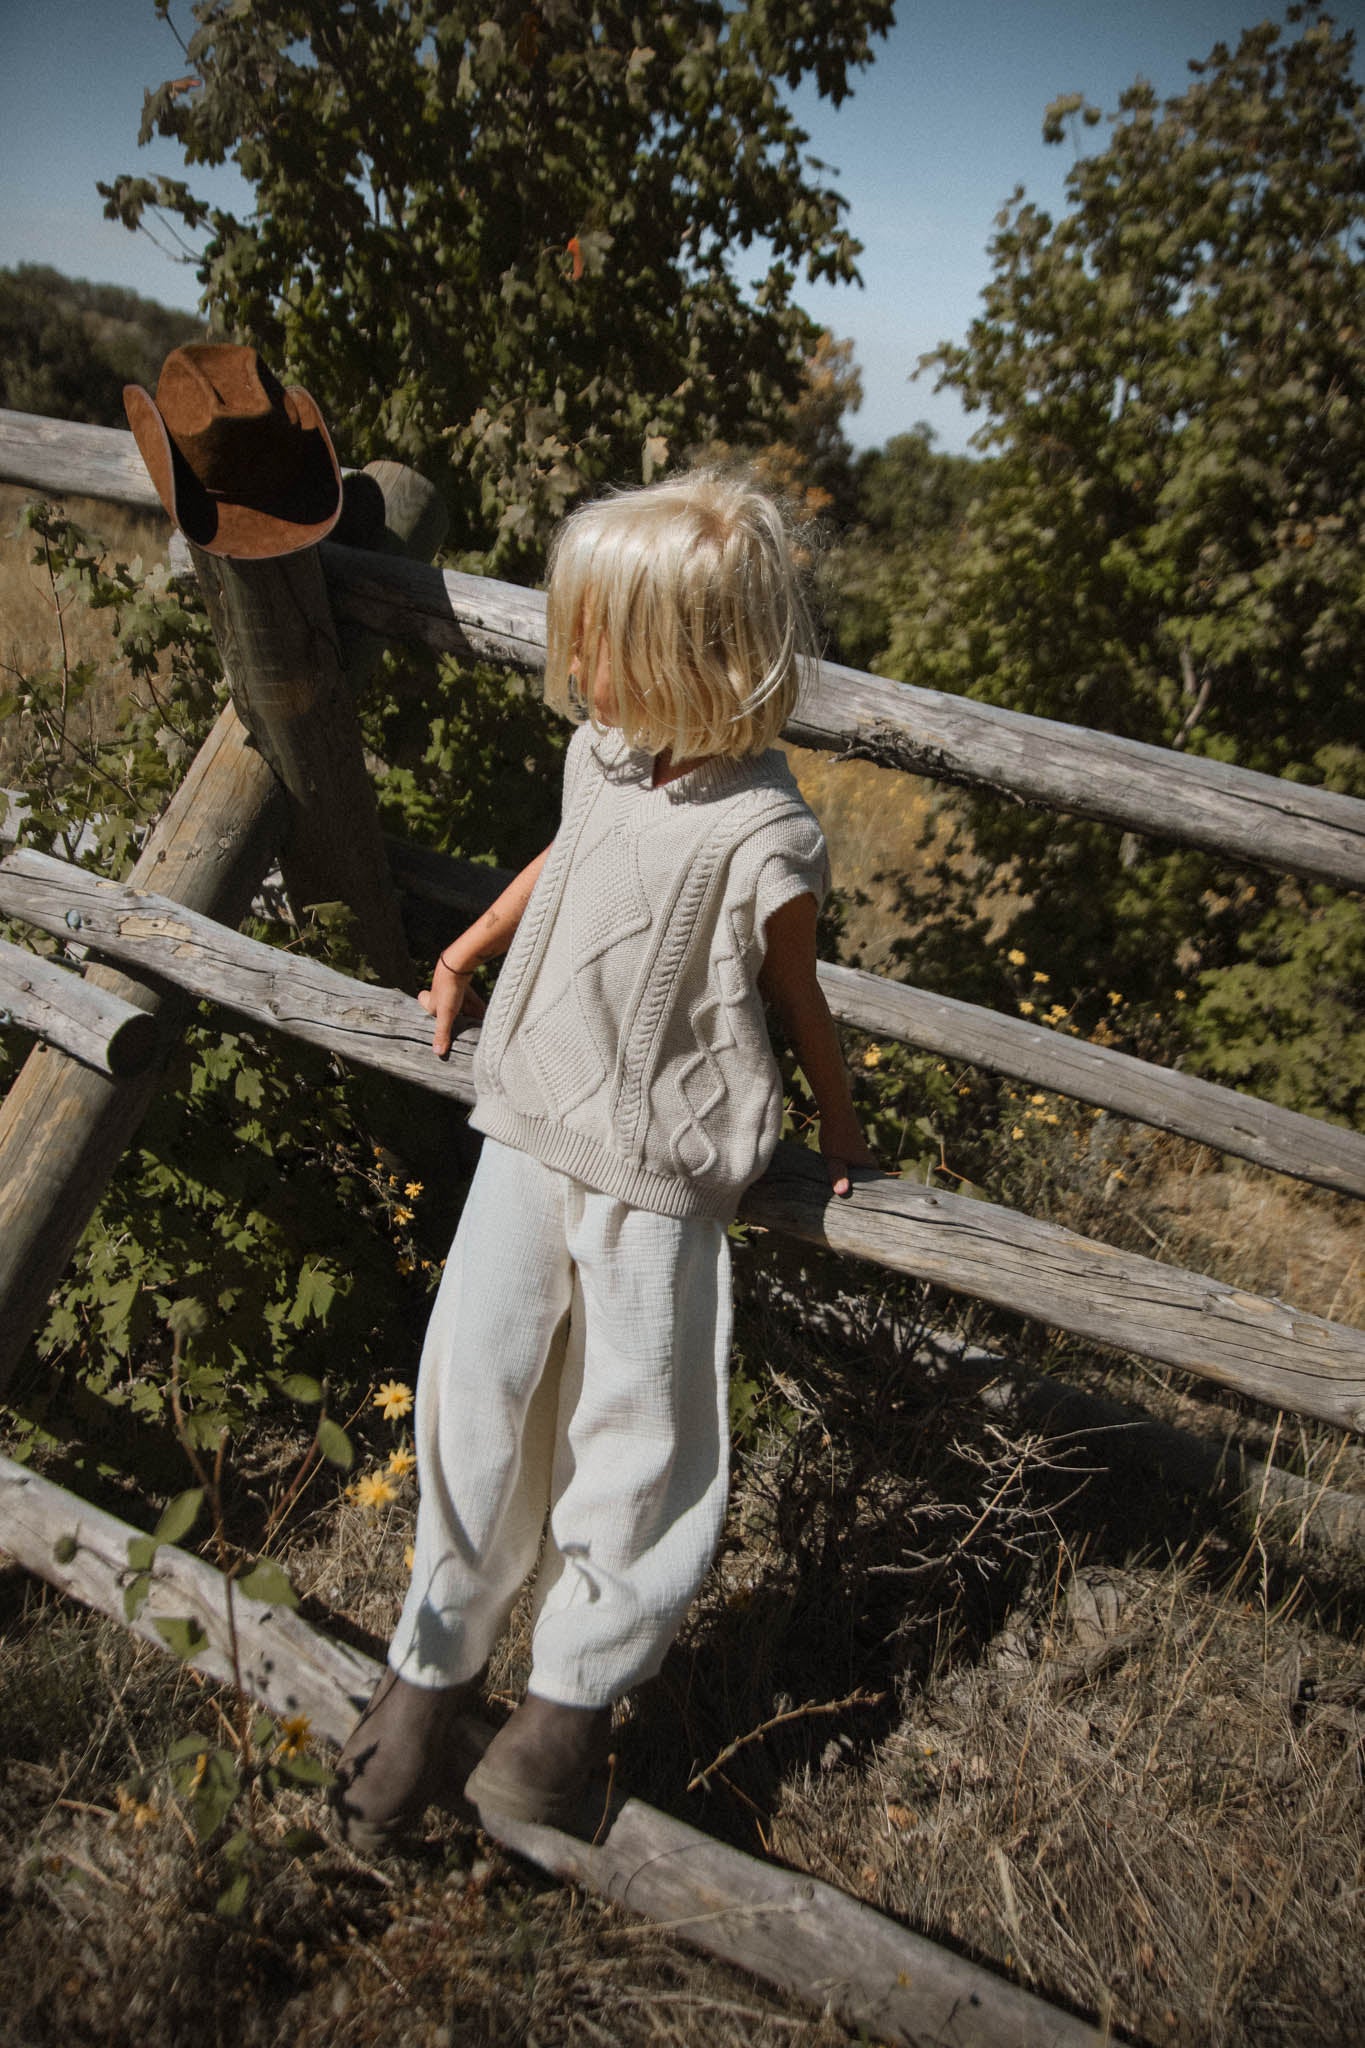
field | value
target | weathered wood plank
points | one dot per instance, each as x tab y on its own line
1326	1155
1248	1342
70	459
95	1027
379	1028
782	1926
1245	1341
286	1665
282	654
1151	790
793	1930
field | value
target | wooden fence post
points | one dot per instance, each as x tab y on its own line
283	658
64	1127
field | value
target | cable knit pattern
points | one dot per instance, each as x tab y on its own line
625	1043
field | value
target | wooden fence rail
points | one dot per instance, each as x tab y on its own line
1236	1339
63	1009
1150	790
1326	1155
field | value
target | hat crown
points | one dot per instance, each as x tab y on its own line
229	416
243	465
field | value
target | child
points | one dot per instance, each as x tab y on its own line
577	1357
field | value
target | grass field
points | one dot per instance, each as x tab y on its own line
1104	1736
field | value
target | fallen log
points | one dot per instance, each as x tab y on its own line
1249	1342
77	1016
791	1930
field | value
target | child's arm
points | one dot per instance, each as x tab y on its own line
788	982
450	995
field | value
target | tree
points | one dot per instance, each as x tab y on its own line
1174	375
67	348
1171	544
504	241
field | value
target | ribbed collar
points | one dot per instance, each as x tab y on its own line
718	775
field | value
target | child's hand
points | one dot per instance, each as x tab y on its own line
844	1148
450	996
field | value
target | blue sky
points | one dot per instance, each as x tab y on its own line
941	128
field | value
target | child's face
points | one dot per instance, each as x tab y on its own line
602	696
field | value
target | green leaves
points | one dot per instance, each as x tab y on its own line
183	1636
335	1445
510	206
1173	378
268	1581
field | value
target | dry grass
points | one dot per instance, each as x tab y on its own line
109	1933
36	620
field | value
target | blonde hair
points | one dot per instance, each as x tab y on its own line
689	586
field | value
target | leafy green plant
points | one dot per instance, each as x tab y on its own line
1166	541
534	218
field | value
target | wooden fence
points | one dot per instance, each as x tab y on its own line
283	766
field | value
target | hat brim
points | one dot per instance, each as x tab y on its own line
299	516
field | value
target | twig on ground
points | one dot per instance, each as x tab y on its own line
857	1698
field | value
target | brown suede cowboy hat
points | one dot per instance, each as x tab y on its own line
243	466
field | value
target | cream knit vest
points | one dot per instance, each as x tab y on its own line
625	1043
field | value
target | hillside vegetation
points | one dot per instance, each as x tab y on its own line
1006	1665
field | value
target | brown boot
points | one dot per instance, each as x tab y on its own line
410	1749
547	1765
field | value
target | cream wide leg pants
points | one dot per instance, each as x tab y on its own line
576	1364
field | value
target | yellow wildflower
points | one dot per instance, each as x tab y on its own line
413	1190
1114	996
1180	995
402	1215
873	1056
394	1400
1026	1009
1016	958
140	1812
373	1491
401	1463
405	1266
295	1734
1037	1099
1018	1131
1038	975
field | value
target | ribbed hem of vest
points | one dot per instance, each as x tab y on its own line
583	1159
